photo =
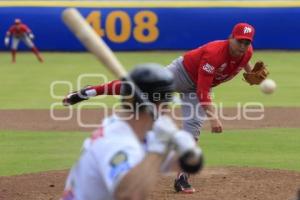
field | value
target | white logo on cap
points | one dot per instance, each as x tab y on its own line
247	30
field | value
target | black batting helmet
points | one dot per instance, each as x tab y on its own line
155	82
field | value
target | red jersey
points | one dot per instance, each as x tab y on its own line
19	30
211	65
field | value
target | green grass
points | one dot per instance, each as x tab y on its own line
283	67
26	152
268	148
26	84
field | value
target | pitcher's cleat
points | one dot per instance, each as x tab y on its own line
182	185
76	97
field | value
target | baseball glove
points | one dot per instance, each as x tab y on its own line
257	75
6	41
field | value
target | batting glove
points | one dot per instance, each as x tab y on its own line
159	138
190	155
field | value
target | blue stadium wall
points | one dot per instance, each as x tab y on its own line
157	28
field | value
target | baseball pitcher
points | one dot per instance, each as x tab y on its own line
197	72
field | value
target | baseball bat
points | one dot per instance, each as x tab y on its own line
89	38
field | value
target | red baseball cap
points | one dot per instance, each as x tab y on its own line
243	31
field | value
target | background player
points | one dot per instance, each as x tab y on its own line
197	72
20	31
118	163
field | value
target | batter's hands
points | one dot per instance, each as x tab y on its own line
165	136
184	142
216	126
190	155
162	132
164	126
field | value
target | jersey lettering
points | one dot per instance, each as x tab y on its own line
208	68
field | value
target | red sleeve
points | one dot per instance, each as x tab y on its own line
26	28
206	73
110	88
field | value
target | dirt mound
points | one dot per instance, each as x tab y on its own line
42	120
228	183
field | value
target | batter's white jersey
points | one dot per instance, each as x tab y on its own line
112	151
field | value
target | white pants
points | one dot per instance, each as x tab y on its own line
24	38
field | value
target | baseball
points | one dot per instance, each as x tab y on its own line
268	86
